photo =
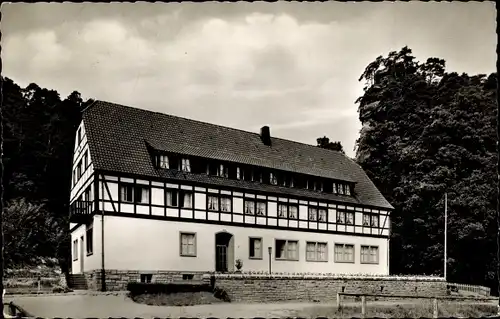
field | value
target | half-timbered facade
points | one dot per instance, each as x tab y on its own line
153	192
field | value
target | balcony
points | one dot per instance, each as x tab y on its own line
80	211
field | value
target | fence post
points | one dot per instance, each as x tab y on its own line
363	306
434	308
39	279
338	301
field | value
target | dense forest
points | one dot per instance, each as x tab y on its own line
426	132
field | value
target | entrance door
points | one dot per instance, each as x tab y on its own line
224	252
82	254
221	258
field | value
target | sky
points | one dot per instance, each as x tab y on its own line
293	66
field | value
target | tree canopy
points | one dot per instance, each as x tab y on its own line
427	132
39	131
324	142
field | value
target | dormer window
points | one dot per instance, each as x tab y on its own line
238	173
163	161
223	171
348	190
185	165
273	179
291	181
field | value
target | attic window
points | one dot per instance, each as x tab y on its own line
223	171
163	161
185	165
348	190
273	179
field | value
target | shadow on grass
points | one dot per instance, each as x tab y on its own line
177	299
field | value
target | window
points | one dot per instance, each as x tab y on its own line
222	203
79	169
238	173
171	197
340	189
370	220
186	199
188	244
255	248
282	210
75	249
316	251
249	207
146	278
286	249
74	177
163	161
313	213
185	165
261	208
344	253
223	171
346	218
348	190
291	181
273	179
322	214
225	204
369	254
86	159
293	211
90	239
79	136
138	194
255	207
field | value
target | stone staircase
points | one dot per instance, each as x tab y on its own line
77	282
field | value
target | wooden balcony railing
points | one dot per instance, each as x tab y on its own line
80	211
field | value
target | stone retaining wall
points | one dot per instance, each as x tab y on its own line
258	288
117	280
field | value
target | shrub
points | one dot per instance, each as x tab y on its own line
220	293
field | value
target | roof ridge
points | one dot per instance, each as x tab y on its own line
222	126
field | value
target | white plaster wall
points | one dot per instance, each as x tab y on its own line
93	261
144	244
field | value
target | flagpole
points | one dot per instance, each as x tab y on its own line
445	232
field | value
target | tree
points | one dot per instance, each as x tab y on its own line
324	142
426	132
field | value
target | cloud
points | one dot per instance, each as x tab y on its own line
239	65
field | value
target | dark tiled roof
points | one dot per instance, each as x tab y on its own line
118	135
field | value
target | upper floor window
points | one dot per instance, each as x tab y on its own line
317	213
370	220
347	190
86	159
238	173
185	165
346	218
257	207
176	198
79	139
322	214
163	161
219	203
134	194
223	171
313	213
79	169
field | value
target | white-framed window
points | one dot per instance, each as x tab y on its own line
130	194
366	219
282	210
313	213
249	207
344	253
163	161
225	204
345	218
273	179
348	190
185	165
186	199
286	249
171	197
188	244
89	233
322	214
86	159
255	248
369	254
75	249
293	211
213	203
79	169
316	251
261	208
374	221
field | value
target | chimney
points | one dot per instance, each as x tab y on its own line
265	135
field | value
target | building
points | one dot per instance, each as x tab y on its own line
156	197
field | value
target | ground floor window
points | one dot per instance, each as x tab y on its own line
316	251
369	254
344	253
188	244
90	239
255	248
287	249
75	249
